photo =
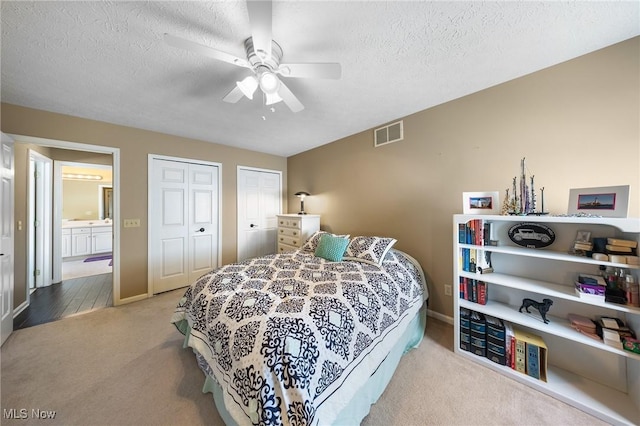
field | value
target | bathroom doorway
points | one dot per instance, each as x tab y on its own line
76	295
87	213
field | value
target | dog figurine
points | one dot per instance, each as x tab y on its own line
542	307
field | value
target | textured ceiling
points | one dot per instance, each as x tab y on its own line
107	60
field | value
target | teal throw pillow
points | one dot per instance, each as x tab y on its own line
331	247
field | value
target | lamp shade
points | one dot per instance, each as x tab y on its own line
248	86
272	98
302	194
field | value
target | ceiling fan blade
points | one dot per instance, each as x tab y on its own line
260	17
205	50
233	96
289	98
324	70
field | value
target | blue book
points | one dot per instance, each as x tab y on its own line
533	364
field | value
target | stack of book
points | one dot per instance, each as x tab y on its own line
465	332
496	340
591	287
478	333
583	325
621	247
613	331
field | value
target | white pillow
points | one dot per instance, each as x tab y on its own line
370	250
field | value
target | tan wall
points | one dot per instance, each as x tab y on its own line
576	123
134	145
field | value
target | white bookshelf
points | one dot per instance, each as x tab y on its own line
596	378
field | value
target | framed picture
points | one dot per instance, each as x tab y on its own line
480	203
606	201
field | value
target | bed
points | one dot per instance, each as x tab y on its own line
296	339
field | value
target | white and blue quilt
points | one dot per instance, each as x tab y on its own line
282	333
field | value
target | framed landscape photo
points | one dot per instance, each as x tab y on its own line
480	203
606	201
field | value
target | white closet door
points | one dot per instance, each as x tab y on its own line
184	223
259	201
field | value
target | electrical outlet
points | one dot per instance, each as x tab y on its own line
447	290
132	223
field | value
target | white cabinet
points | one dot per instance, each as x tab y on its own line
586	373
83	241
101	239
66	242
80	241
295	229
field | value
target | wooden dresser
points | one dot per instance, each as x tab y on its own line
295	229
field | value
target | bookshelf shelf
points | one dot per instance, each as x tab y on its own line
597	378
587	395
546	288
556	326
547	254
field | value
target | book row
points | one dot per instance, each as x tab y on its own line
473	290
476	232
474	260
502	343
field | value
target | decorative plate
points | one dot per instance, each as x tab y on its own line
531	235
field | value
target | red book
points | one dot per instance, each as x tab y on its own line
482	292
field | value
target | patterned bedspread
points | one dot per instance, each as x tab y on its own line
281	333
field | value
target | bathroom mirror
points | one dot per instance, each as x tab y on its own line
107	203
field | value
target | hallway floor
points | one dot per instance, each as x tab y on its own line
70	297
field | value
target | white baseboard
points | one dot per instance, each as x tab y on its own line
439	316
131	299
17	311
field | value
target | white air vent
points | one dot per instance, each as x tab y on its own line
388	134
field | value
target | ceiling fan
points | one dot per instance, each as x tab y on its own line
263	56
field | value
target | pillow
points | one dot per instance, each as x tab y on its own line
314	240
370	250
331	247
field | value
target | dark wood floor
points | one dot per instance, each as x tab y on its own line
66	298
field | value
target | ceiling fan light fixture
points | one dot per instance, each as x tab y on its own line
269	83
248	86
272	98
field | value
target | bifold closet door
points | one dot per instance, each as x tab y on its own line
184	223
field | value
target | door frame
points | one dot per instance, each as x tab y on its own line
253	169
43	196
57	211
150	188
8	257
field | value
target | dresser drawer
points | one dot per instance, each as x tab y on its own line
292	241
282	248
289	232
289	222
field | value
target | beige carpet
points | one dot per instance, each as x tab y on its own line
126	366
